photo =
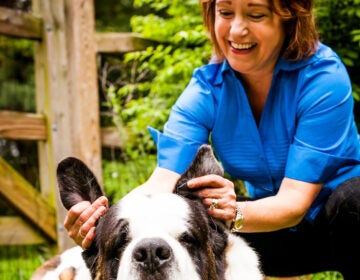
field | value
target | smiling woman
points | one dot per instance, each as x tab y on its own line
301	39
250	36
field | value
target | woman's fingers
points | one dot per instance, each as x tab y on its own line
81	218
89	238
211	180
224	209
95	214
212	186
218	195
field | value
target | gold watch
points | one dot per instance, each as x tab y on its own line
238	221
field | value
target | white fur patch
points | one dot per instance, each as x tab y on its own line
70	258
150	215
162	216
242	261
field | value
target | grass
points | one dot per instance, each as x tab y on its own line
19	262
120	178
327	275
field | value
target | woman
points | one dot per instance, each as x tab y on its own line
277	107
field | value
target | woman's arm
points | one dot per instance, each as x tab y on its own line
161	180
286	209
283	210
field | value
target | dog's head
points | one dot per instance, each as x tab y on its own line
160	236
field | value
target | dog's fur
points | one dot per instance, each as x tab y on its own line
153	237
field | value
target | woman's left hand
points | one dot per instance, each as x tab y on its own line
218	195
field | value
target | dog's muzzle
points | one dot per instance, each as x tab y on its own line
152	255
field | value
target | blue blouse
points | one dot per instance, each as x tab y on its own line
306	132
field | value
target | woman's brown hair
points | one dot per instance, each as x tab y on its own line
299	25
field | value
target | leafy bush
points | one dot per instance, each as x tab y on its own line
121	177
17	86
339	27
158	74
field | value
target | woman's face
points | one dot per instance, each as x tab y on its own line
249	34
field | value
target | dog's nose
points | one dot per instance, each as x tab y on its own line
151	254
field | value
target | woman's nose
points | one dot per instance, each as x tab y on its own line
239	27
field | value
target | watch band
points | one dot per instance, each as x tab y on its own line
238	221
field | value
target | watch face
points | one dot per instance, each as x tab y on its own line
238	223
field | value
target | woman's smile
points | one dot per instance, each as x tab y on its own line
242	46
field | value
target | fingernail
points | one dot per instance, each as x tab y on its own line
190	183
103	200
103	210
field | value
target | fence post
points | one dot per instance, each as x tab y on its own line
67	93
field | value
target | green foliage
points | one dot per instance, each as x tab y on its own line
179	23
17	89
114	15
20	262
339	23
339	27
121	177
328	275
158	74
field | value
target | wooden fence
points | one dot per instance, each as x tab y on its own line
66	121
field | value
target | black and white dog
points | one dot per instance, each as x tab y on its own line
168	236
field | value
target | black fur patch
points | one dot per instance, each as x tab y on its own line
76	182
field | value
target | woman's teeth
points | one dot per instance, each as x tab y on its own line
245	46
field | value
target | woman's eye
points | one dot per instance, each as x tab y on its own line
256	16
225	13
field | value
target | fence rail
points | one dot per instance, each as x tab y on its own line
20	24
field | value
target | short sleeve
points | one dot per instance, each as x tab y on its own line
173	154
326	137
188	126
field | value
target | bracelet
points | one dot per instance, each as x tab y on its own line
238	221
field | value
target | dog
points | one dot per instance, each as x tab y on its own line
167	236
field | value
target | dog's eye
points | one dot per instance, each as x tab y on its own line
118	239
123	237
188	239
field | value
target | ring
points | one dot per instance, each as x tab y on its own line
214	204
81	234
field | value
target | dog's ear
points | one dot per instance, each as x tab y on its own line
204	163
76	182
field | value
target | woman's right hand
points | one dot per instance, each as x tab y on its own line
81	218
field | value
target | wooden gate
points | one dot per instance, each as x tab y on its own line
67	118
